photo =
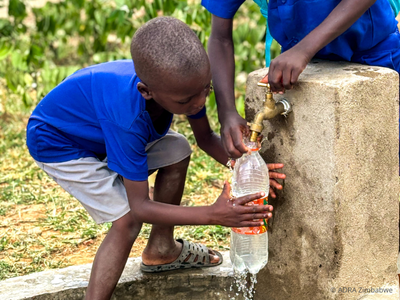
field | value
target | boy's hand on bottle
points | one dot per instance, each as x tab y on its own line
232	212
232	161
275	175
233	128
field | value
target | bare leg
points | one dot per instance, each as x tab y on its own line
111	258
161	247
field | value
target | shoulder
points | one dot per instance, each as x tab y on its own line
115	94
104	72
223	9
116	70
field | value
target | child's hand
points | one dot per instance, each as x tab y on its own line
285	69
274	175
233	128
234	213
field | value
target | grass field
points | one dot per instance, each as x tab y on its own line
43	227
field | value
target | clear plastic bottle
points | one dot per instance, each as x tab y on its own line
249	245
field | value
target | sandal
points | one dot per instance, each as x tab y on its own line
198	254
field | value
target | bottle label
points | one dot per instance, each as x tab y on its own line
258	229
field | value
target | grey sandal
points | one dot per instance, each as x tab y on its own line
191	250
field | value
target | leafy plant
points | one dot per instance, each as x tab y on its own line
68	35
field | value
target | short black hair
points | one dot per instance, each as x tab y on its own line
165	46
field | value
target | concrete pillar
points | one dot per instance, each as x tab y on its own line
335	224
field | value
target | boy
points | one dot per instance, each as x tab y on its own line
105	128
362	31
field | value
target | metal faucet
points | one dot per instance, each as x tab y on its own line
269	111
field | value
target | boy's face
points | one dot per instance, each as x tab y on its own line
184	96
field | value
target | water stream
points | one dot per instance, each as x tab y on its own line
243	286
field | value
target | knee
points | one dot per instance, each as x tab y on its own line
180	166
184	163
171	151
179	154
176	146
127	225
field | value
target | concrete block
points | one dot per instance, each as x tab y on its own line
336	222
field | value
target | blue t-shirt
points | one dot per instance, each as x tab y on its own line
96	112
290	21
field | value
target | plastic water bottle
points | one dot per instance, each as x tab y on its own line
249	245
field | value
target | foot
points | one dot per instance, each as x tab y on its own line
160	255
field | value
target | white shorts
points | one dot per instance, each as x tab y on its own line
101	190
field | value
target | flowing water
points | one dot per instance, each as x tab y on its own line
243	286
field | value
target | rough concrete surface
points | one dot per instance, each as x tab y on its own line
70	284
336	222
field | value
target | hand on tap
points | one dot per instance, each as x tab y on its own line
285	69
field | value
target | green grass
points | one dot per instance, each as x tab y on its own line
43	227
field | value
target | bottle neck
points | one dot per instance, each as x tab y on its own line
253	146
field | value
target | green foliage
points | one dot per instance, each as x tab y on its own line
17	10
68	35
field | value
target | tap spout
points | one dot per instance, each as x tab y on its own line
270	110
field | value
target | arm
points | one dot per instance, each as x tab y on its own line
286	68
222	212
221	53
208	140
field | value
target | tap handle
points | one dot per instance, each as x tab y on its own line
263	84
268	93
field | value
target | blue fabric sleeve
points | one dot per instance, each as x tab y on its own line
395	4
126	152
200	114
224	9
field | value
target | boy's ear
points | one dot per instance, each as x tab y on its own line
144	90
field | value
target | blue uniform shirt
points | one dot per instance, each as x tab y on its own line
95	112
290	21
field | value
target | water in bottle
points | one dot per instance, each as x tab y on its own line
249	245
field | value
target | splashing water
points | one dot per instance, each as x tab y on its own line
243	285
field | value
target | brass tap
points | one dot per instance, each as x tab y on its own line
269	111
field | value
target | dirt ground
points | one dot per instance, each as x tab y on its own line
23	220
24	223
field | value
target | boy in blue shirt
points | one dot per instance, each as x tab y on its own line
361	31
101	131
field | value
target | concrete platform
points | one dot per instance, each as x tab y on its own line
70	284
